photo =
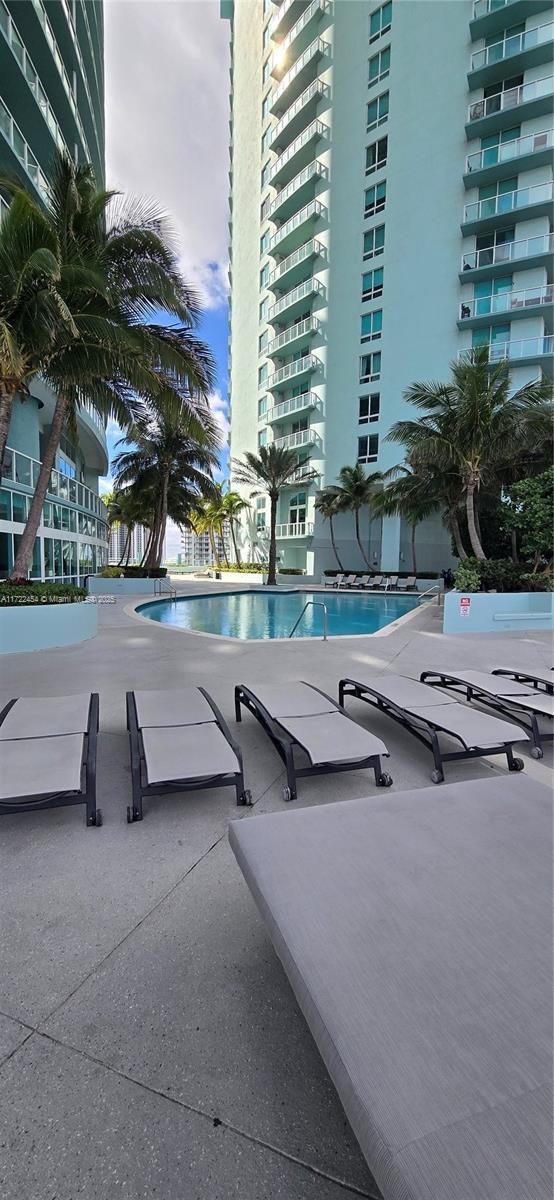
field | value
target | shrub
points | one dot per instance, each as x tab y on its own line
111	572
290	571
543	582
246	568
13	594
499	575
467	578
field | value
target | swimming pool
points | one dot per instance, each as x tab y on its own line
267	615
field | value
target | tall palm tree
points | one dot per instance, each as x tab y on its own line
355	490
269	471
211	519
129	508
327	504
118	269
474	427
169	466
234	505
409	495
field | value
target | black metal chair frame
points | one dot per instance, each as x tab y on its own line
138	765
87	792
507	705
284	744
539	685
425	731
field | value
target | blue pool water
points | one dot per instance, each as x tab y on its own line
261	615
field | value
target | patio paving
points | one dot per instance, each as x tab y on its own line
150	1045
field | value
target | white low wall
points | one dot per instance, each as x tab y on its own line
97	586
41	626
493	612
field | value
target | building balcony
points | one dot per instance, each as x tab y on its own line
533	99
493	310
521	352
20	472
299	440
299	476
285	17
292	267
298	332
297	155
298	37
490	16
520	51
299	76
493	260
295	119
298	529
499	162
294	302
293	372
499	211
291	407
293	230
296	193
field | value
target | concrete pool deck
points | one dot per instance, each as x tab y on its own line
150	1045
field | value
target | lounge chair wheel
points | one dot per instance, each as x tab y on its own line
98	820
518	764
437	776
287	794
385	780
129	814
536	752
246	797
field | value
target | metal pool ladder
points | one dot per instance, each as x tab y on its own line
162	586
312	604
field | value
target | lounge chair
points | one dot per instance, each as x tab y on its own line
410	584
180	742
349	581
391	582
376	581
414	705
519	700
300	716
414	930
362	581
48	754
536	677
336	582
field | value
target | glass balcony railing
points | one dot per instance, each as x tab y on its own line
511	98
287	9
297	295
299	476
60	66
514	44
537	347
315	50
278	59
309	250
295	404
291	370
530	143
539	193
482	8
313	170
509	252
21	469
315	130
508	303
313	209
313	91
22	151
302	329
295	529
294	441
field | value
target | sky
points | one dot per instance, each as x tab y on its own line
167	134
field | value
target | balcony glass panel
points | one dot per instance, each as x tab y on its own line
514	44
531	143
539	193
508	252
511	98
297	295
507	302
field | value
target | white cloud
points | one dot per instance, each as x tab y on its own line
220	408
167	85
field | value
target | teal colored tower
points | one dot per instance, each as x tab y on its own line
52	96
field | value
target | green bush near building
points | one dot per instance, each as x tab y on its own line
500	575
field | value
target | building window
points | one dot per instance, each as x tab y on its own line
262	406
375	198
266	102
262	341
372	325
369	408
266	138
260	512
262	375
297	509
378	67
263	309
372	284
264	241
380	21
377	111
374	242
376	155
265	71
265	175
264	276
265	37
262	438
368	448
370	367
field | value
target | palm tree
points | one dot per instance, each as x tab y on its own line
128	508
211	519
473	427
234	505
171	469
118	270
407	495
355	490
269	471
327	504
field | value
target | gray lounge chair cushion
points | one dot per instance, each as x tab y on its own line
181	706
538	702
46	716
475	728
416	933
332	738
291	699
491	683
537	676
405	692
187	752
33	766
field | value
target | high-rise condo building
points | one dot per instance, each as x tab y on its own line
391	207
52	95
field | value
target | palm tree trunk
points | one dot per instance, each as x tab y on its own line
125	548
163	521
144	558
332	532
235	547
358	538
129	544
8	392
471	526
24	556
456	533
514	546
213	544
414	563
223	546
271	573
476	511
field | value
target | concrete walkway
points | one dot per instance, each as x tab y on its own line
150	1045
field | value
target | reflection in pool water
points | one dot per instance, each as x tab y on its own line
266	615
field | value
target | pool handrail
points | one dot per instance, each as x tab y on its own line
312	604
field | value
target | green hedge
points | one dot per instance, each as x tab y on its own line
245	568
500	575
133	572
18	594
